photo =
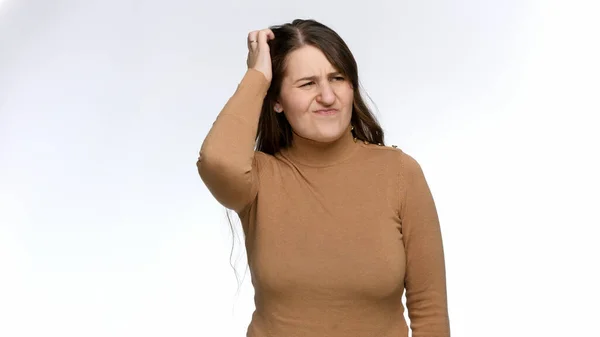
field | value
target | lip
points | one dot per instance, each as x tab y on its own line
326	112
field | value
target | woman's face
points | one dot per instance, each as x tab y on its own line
315	98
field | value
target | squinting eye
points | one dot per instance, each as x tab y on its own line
306	84
339	78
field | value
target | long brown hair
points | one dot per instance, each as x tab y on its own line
274	131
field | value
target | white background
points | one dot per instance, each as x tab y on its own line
107	230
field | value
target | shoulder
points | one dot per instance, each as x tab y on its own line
263	159
266	163
390	154
394	157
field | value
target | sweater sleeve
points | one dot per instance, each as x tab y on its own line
226	163
425	278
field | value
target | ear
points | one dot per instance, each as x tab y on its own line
278	108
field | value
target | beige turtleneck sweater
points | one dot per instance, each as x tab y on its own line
334	234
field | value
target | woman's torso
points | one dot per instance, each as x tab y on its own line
325	247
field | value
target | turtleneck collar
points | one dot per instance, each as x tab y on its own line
317	154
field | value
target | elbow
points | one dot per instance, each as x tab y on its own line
210	165
228	181
214	163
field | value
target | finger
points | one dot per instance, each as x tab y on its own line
253	45
262	37
252	39
252	35
270	34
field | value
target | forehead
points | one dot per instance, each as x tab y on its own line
308	61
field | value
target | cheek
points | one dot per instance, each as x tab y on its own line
298	104
347	96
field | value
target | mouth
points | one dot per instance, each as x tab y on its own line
326	112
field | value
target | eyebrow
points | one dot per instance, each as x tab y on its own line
312	78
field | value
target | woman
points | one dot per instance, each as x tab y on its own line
337	224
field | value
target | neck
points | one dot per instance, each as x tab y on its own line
313	153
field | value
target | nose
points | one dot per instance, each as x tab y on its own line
326	95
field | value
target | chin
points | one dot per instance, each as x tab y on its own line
328	137
326	131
